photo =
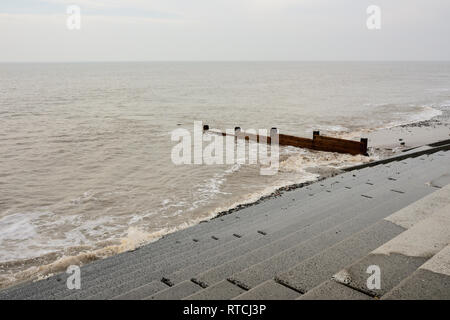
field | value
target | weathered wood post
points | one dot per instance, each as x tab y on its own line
237	131
364	146
316	133
273	133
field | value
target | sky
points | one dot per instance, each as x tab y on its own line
224	30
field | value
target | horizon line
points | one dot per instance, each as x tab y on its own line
207	61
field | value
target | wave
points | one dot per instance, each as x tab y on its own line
38	269
427	113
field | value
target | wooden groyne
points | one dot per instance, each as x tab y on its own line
318	142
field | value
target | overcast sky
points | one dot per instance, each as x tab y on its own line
148	30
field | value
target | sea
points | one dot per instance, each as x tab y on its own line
86	164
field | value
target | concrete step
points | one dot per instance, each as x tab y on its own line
126	280
317	269
223	290
143	291
138	266
259	249
175	282
407	217
291	234
278	210
332	290
400	257
290	256
430	282
441	181
269	290
320	205
177	292
380	206
401	157
181	278
217	273
422	208
215	290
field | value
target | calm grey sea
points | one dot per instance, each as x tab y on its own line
85	166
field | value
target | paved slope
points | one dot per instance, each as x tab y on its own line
415	264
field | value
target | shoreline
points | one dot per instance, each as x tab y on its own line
439	145
387	143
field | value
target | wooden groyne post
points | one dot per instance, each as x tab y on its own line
318	142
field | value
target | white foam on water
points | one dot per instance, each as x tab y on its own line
328	128
29	235
426	113
134	238
18	226
211	188
445	104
